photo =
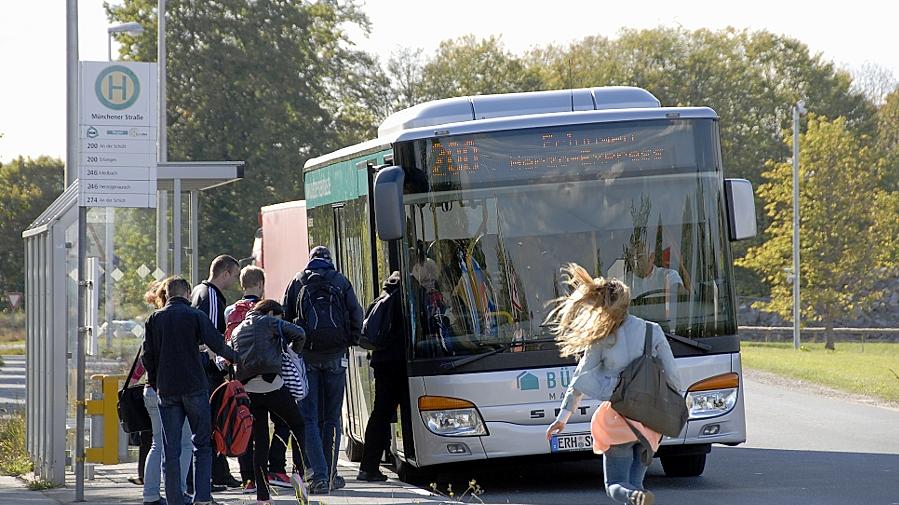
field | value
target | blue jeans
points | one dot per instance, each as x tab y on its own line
321	411
623	471
173	410
155	458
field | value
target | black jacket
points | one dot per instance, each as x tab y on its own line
355	313
210	300
257	341
394	354
173	334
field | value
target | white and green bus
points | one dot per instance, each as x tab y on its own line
478	202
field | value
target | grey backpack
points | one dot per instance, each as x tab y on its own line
645	395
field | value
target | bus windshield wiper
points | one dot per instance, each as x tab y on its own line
689	341
502	347
464	360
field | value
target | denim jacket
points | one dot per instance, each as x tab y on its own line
600	368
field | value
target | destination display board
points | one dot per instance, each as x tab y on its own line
574	151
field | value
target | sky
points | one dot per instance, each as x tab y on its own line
33	42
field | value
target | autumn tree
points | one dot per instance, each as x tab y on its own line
269	82
472	66
841	243
29	187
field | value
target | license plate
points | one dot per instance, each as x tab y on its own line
572	442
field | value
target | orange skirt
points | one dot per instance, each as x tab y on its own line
609	428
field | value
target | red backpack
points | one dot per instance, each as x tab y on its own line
237	315
232	423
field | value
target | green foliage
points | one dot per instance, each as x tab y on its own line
268	82
29	187
13	456
888	137
468	66
841	246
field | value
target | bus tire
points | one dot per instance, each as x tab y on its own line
353	450
683	466
413	475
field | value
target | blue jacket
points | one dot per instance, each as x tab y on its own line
173	334
355	313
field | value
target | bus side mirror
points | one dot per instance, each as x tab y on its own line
740	208
390	219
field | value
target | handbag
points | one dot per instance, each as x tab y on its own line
645	395
293	370
133	415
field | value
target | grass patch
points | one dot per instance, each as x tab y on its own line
13	456
868	370
40	485
12	326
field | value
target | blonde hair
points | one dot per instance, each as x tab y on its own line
156	295
593	311
252	277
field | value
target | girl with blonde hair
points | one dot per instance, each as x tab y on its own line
593	322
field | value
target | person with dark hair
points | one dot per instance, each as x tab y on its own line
259	342
207	296
154	458
175	372
391	386
322	301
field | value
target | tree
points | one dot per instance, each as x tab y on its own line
840	178
468	66
748	78
268	82
888	137
29	187
874	81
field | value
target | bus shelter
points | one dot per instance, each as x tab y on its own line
126	249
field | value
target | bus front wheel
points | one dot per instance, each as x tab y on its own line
683	466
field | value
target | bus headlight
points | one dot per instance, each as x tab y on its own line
451	417
713	396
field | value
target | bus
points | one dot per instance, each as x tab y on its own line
479	202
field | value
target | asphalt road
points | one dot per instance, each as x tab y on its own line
803	448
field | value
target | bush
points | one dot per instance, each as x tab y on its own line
13	456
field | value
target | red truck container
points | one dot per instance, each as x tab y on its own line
282	247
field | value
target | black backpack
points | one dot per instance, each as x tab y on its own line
322	313
378	323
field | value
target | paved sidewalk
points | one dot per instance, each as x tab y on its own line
111	486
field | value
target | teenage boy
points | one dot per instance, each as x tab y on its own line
208	298
175	372
252	282
322	301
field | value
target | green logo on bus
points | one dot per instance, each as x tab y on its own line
117	87
528	381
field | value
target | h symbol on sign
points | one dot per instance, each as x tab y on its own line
123	87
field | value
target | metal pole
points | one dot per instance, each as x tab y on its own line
162	236
108	46
796	314
176	227
79	354
71	91
194	237
70	174
107	276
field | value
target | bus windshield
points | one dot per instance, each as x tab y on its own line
485	249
